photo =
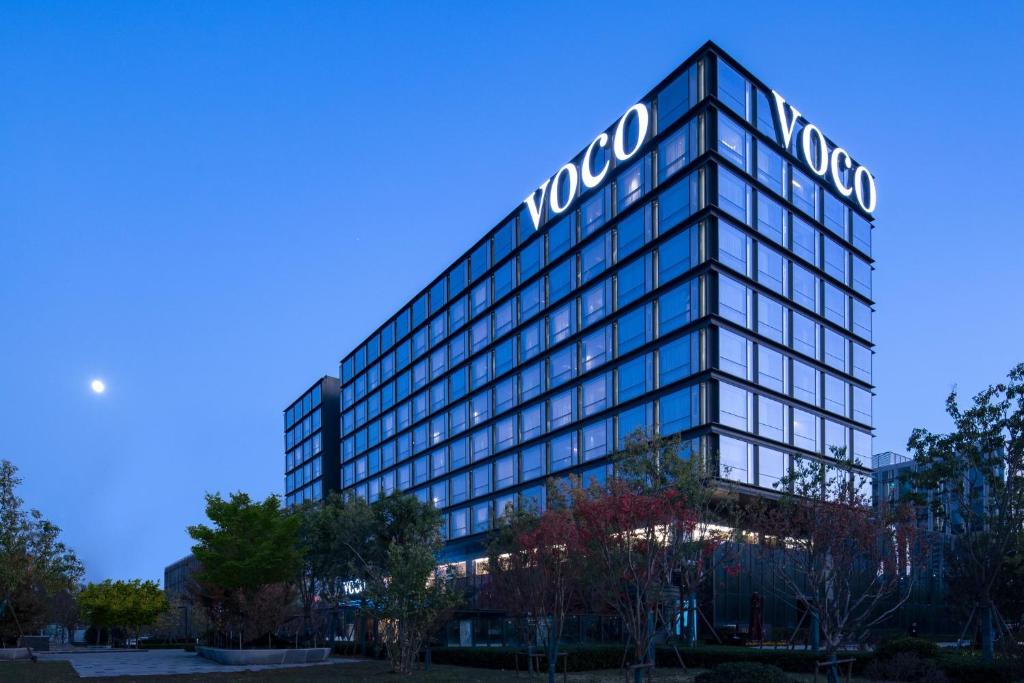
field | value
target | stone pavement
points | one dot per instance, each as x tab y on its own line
156	663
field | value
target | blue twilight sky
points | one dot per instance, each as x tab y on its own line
208	204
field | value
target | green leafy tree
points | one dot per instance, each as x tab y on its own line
63	609
975	474
333	534
249	558
124	605
405	591
34	563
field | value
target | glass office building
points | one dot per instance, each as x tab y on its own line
691	275
311	462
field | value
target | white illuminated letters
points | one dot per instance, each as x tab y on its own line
533	205
832	165
819	165
590	179
837	172
572	175
642	122
570	194
862	177
786	136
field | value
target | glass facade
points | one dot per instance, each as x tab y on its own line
311	444
709	287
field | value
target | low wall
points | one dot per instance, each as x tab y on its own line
12	653
309	655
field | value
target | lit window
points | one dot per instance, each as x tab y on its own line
771	267
675	361
733	459
563	452
770	167
733	248
733	300
771	416
734	354
678	410
634	378
734	406
733	89
733	195
733	142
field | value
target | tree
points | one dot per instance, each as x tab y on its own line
976	473
124	605
831	553
250	547
63	610
332	535
34	563
534	573
405	591
648	464
265	608
629	541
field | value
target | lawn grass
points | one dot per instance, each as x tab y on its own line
358	672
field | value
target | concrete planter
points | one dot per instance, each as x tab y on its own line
309	655
37	643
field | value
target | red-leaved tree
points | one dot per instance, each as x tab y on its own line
535	575
649	463
850	566
630	542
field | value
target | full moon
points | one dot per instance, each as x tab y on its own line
98	387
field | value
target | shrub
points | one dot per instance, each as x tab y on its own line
580	657
905	667
355	649
968	669
744	672
923	648
958	668
796	661
591	657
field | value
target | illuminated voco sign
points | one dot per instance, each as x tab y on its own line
831	164
559	191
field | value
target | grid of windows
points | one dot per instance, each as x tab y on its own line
307	443
709	251
797	300
528	359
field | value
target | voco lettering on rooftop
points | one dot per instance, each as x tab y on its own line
560	190
833	164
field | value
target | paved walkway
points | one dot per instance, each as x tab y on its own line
156	663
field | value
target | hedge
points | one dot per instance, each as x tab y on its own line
744	672
923	648
795	661
965	668
579	657
591	657
960	668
